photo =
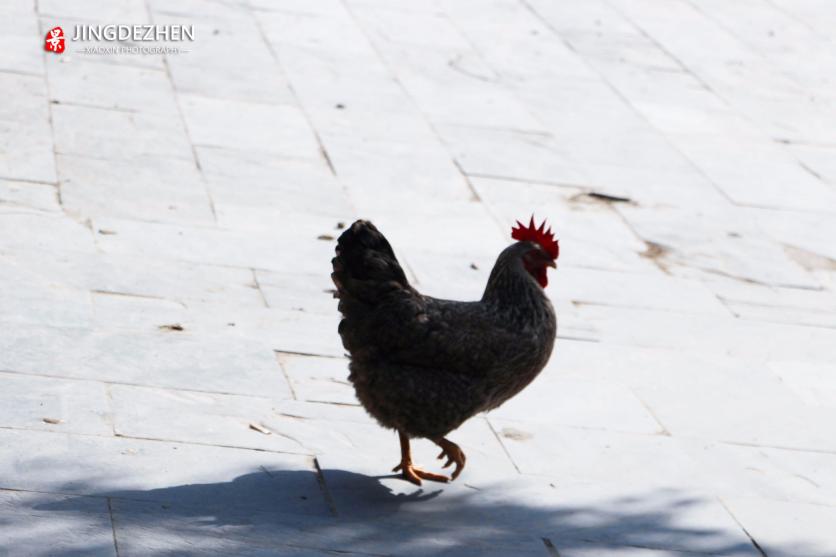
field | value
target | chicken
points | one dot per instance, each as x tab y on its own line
421	365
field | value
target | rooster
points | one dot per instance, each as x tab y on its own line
421	365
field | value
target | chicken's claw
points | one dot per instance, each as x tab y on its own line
412	474
454	454
441	455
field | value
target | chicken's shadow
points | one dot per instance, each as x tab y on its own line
280	512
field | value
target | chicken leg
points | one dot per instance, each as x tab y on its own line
409	471
453	453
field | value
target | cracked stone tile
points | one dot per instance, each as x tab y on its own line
795	306
103	134
318	379
25	135
46	403
529	49
812	382
785	529
277	329
141	188
202	477
40	197
658	291
748	404
214	67
290	291
682	187
818	159
795	229
457	275
135	312
292	243
29	529
44	230
114	86
28	298
450	84
124	10
753	341
276	188
591	234
510	153
368	168
148	277
436	234
598	457
170	359
578	402
278	129
205	418
259	533
733	470
285	331
670	521
20	41
763	178
593	550
753	85
724	243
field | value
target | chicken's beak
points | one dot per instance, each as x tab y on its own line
551	264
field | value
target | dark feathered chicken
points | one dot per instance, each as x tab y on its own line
421	365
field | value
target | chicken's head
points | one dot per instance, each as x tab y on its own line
544	249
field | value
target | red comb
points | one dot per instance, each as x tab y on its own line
534	234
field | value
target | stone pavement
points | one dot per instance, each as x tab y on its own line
171	379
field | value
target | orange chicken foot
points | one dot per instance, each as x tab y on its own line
412	474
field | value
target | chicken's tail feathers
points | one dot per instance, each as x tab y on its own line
365	267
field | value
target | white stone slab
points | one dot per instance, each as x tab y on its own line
290	243
290	291
784	529
132	10
783	305
715	242
556	400
115	84
159	189
145	277
26	297
204	418
317	379
25	135
21	42
41	197
777	474
658	291
813	383
597	457
591	234
117	135
214	66
30	528
279	129
208	478
43	231
135	312
511	153
67	406
164	358
257	190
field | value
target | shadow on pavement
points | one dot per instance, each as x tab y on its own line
281	512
